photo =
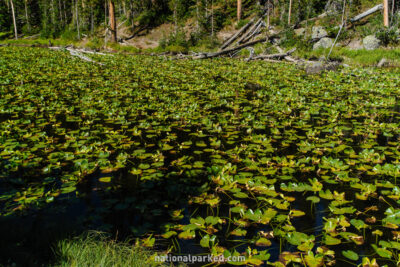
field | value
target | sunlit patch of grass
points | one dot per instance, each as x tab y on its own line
359	57
96	249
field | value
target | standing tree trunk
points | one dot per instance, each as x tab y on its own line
113	23
268	18
290	11
26	15
212	18
77	19
239	10
386	13
14	19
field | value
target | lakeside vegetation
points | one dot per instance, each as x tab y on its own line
213	156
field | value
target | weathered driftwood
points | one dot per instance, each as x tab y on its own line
275	56
77	53
250	31
252	53
367	13
228	51
255	32
287	57
236	35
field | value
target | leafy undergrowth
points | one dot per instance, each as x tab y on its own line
214	157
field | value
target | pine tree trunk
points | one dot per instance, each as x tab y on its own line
386	13
26	15
77	19
113	23
212	17
14	19
290	11
239	10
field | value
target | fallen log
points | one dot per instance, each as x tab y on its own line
251	30
274	56
256	31
237	34
76	53
142	28
367	13
287	57
228	51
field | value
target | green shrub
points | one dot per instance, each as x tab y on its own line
387	36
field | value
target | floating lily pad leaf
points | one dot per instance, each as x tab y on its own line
314	260
241	195
263	242
105	179
239	232
297	213
68	189
187	235
205	241
169	234
330	241
350	255
313	199
144	166
383	252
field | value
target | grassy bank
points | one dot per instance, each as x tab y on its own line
96	249
359	57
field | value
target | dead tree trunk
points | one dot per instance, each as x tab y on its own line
113	23
290	11
27	16
367	13
77	19
239	10
237	34
14	19
228	51
386	13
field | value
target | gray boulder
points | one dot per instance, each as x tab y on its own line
323	43
300	32
318	32
319	67
371	42
355	44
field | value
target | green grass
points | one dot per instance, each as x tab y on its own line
360	57
38	42
96	249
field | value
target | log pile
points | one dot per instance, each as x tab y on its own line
245	38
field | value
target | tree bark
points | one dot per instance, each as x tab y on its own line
77	19
236	35
14	19
26	15
239	10
113	22
290	11
386	13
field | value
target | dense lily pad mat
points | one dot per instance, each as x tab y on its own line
220	156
